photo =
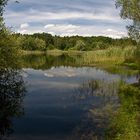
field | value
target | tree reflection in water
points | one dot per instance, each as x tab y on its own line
12	91
137	59
104	103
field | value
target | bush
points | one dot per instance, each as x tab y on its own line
31	43
8	50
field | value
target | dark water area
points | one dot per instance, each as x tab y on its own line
59	99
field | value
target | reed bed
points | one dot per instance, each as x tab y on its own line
110	55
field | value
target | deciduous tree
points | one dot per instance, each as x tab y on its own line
130	9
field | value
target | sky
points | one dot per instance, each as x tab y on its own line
66	17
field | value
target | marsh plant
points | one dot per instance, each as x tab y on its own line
117	115
125	122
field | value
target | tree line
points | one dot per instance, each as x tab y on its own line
45	41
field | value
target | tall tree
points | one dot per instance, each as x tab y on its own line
8	45
2	5
130	9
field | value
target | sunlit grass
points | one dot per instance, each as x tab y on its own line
23	52
57	52
110	55
125	122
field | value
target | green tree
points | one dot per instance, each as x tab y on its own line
130	9
40	44
8	51
8	46
31	43
80	45
2	5
48	38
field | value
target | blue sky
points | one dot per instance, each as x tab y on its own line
66	17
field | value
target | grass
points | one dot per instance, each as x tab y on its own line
133	62
125	122
23	52
110	55
57	52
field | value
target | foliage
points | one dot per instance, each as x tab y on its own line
80	45
30	43
124	124
110	55
12	91
8	50
49	42
8	45
45	37
11	83
2	5
50	47
130	9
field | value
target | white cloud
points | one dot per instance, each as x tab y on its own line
42	16
109	30
114	33
24	25
49	26
52	33
22	31
66	17
61	27
72	30
29	31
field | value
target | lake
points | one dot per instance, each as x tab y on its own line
58	98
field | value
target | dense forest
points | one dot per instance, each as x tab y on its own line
45	41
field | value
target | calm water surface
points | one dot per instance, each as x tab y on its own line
65	101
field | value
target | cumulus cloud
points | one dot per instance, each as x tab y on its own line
114	33
43	16
61	27
22	31
73	30
48	26
30	31
66	17
52	33
24	25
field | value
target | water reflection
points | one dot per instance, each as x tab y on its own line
47	61
12	91
103	99
64	100
137	59
113	115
